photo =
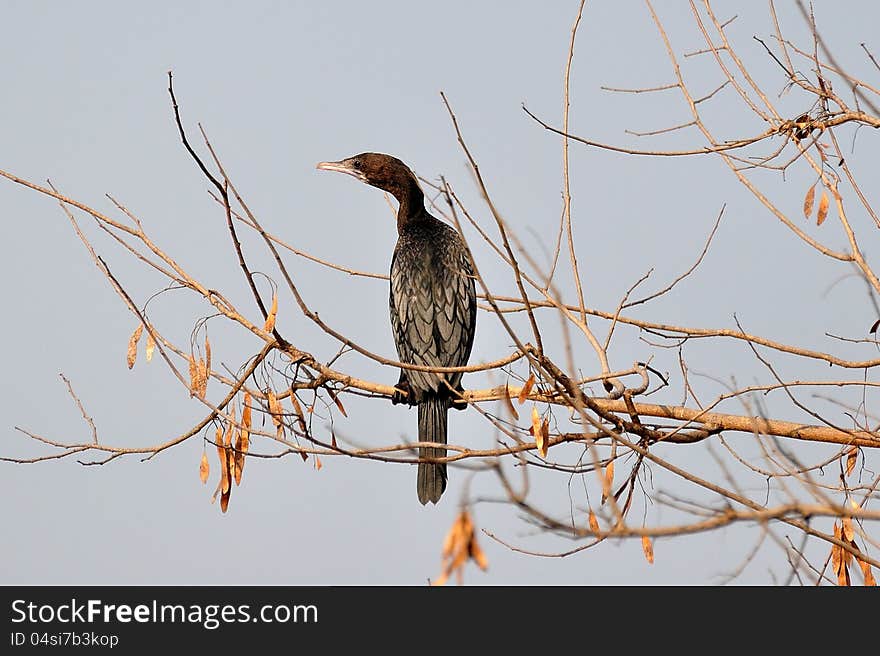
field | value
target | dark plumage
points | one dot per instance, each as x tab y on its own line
433	305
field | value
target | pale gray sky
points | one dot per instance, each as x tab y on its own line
280	86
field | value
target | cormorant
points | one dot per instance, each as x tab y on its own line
433	306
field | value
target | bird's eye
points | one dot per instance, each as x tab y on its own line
358	164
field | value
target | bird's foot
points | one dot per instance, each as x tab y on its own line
458	403
402	393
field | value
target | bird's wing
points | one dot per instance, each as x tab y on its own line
433	310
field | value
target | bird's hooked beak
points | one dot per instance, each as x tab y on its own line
342	166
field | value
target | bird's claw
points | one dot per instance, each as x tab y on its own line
402	393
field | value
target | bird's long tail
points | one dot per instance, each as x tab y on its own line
432	428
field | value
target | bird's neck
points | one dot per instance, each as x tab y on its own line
412	205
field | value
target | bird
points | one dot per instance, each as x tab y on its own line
432	304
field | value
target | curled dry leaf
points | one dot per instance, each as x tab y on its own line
843	576
477	555
835	551
231	456
131	355
318	463
867	573
224	500
204	468
270	320
526	389
845	556
874	327
221	455
335	396
151	346
460	545
207	354
202	371
275	411
298	411
246	411
508	403
594	523
808	201
451	539
230	469
823	209
851	456
847	530
608	481
648	549
193	376
242	443
538	432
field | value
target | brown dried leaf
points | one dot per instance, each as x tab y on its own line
318	463
193	376
508	404
204	468
465	533
808	201
851	457
848	531
648	549
242	443
275	411
241	448
538	433
297	409
874	326
228	441
270	320
230	428
526	389
131	356
845	557
202	371
823	209
455	542
224	468
335	397
230	467
451	538
608	481
246	411
867	573
594	523
151	346
835	551
843	576
207	354
477	554
460	545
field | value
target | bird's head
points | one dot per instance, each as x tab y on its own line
376	169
